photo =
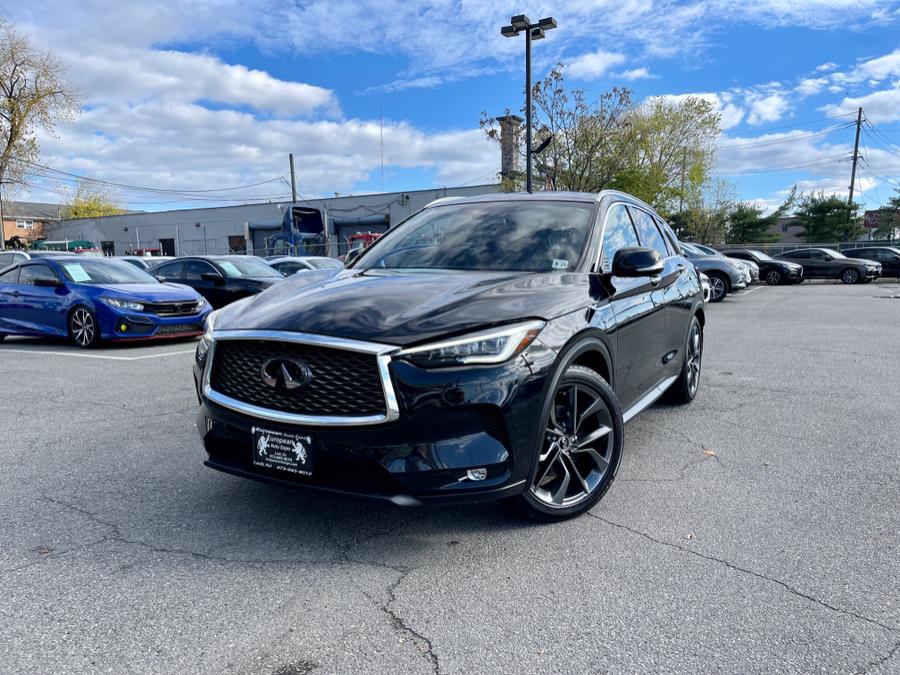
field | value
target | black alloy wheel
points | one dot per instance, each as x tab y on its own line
685	388
718	286
580	448
850	275
773	277
83	328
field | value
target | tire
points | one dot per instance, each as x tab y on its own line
773	277
582	434
850	275
684	389
84	331
719	286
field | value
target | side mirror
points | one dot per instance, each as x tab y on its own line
212	276
47	282
637	262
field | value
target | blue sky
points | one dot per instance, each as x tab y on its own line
214	94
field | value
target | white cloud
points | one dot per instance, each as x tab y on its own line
731	114
826	67
593	65
766	108
875	70
637	74
879	106
811	86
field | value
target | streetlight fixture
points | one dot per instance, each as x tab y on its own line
533	31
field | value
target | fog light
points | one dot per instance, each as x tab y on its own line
476	474
123	328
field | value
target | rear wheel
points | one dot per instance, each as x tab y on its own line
718	286
685	388
850	275
773	277
83	328
580	449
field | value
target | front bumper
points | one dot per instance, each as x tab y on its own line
450	421
122	326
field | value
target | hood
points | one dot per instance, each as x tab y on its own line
150	292
400	308
714	262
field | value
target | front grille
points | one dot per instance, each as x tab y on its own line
174	328
342	383
184	308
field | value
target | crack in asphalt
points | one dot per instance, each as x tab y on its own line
744	570
872	665
397	622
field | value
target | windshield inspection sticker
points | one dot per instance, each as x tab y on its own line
76	271
560	264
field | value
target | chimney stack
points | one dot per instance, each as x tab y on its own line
509	145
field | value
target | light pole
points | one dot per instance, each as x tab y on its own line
533	31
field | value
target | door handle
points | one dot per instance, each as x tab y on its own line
681	267
655	279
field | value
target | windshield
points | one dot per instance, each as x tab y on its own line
690	249
832	253
248	267
100	271
493	236
760	255
324	263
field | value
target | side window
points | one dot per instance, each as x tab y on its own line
619	233
815	255
799	255
6	259
170	271
197	268
28	273
669	235
9	277
648	232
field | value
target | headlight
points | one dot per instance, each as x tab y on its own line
490	346
123	304
205	341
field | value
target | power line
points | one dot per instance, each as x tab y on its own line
786	139
773	169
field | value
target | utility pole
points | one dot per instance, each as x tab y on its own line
683	169
293	180
855	157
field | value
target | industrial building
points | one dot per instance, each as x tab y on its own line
248	228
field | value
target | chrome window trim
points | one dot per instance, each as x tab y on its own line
381	352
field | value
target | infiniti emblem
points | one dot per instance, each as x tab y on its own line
284	373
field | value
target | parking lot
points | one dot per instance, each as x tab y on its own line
756	530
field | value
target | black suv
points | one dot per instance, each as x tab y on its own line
826	263
488	347
219	278
773	271
887	256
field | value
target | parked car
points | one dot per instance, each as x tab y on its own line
145	263
94	299
289	265
220	279
773	271
887	256
488	347
724	275
826	263
749	264
8	258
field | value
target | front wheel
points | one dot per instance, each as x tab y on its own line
850	276
718	286
83	328
773	278
579	449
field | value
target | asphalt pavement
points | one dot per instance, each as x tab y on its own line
757	530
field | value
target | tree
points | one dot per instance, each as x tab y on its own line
33	96
889	218
91	200
705	218
828	219
746	223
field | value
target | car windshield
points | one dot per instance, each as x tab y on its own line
247	267
99	271
324	263
760	255
692	250
533	236
832	253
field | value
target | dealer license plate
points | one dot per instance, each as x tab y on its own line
283	451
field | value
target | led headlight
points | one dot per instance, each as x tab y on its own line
205	341
495	345
123	304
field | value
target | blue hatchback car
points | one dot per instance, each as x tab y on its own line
94	299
